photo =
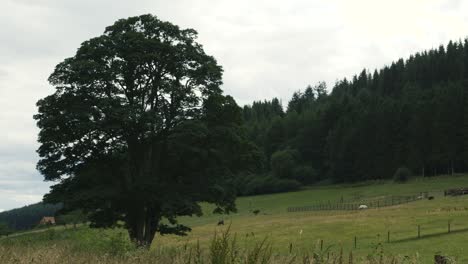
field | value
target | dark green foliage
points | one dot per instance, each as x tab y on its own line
262	117
262	184
283	163
402	174
29	216
305	174
138	130
5	230
72	218
411	112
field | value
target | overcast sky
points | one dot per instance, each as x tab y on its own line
268	48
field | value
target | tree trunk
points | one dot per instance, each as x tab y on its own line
143	216
142	227
423	169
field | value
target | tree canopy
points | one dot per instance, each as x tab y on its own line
411	113
138	130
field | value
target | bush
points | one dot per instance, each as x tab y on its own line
402	174
305	174
5	230
283	163
263	184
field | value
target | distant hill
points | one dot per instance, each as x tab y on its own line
28	216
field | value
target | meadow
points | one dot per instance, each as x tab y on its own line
386	234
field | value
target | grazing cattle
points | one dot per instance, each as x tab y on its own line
221	222
430	198
256	212
363	206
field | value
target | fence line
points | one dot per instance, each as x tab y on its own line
346	206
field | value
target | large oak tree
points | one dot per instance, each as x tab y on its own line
138	130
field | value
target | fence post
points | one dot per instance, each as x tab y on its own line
388	237
355	242
321	244
449	226
419	231
290	248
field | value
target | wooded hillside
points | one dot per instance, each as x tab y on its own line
28	216
412	113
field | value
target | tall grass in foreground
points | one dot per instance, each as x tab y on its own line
223	249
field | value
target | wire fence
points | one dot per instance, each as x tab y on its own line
410	233
362	204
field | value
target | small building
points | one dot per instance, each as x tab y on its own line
47	220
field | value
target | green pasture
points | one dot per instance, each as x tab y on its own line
362	232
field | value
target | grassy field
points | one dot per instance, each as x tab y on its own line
300	233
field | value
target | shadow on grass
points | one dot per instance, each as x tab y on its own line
463	230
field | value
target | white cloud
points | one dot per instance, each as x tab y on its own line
267	47
20	197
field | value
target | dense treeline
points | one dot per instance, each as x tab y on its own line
409	114
28	216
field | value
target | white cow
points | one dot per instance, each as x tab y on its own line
363	206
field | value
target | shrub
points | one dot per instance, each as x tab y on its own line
402	174
305	174
270	184
283	163
262	184
5	230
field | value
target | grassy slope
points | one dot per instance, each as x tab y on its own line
337	229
